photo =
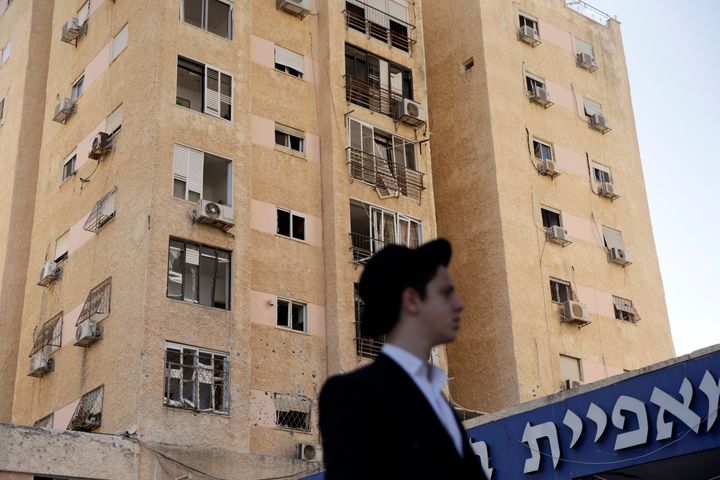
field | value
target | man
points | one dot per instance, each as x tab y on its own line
390	418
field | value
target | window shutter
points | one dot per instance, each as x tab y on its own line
383	7
119	43
61	245
114	120
195	171
226	92
289	59
583	47
355	134
212	91
613	238
368	142
180	162
591	108
404	152
398	9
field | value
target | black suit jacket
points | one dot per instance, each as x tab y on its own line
376	423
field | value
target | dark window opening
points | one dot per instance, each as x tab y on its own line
550	219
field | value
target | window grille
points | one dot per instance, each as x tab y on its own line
88	413
49	335
196	380
45	422
624	310
102	213
97	303
292	411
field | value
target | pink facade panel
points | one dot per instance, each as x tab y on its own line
262	52
579	102
15	476
263	217
262	131
311	68
262	308
97	66
316	317
571	161
78	235
598	302
312	147
62	417
560	95
68	327
581	229
592	371
551	34
313	226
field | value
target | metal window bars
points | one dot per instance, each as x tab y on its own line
45	422
88	413
371	96
103	211
292	411
49	335
624	309
196	380
97	303
388	177
378	24
365	246
557	283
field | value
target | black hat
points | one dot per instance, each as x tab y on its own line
388	273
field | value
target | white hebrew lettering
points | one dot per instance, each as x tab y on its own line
680	410
481	450
712	392
597	415
636	437
531	435
574	423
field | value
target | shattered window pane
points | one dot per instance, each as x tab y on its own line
196	380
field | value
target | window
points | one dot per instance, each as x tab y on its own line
113	122
532	83
78	87
528	21
68	168
83	13
48	337
2	110
371	228
550	218
119	42
198	274
601	173
368	347
292	411
5	55
469	63
215	16
103	212
196	379
624	310
290	224
203	175
88	413
375	83
289	62
292	315
289	138
591	108
386	21
570	368
583	52
560	290
542	150
613	238
204	89
61	247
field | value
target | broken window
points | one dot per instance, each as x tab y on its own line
550	218
532	83
204	88
88	413
292	411
45	422
203	175
528	21
561	290
543	151
103	212
289	138
368	347
290	224
624	310
97	303
215	16
371	228
196	379
292	315
199	274
289	62
49	336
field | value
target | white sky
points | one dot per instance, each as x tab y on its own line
674	67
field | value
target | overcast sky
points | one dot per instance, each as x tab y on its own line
674	68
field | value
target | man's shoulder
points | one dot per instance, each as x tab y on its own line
362	379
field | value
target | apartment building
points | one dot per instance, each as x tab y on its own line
210	177
539	184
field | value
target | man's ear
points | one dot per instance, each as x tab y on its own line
410	300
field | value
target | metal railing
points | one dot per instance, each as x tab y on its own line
365	246
369	347
372	97
378	24
385	174
589	11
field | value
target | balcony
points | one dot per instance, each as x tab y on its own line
378	24
372	97
588	11
364	247
388	177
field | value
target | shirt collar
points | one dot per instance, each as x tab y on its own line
415	366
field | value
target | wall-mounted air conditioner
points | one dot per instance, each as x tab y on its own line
607	189
49	272
410	112
586	61
71	30
529	35
548	167
540	95
213	213
40	364
100	145
295	7
86	334
64	109
575	312
619	256
307	452
559	235
598	122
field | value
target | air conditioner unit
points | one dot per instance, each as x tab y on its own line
598	122
619	256
540	95
607	189
529	35
559	235
99	146
213	213
295	7
410	112
587	61
86	334
40	364
548	167
71	30
48	274
570	384
306	451
575	312
64	109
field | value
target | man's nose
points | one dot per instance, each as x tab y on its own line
459	305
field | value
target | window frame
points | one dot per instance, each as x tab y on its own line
78	88
542	144
281	67
555	290
535	81
176	177
204	17
603	169
64	255
292	214
204	107
182	260
290	303
2	111
545	208
289	132
624	315
72	160
527	20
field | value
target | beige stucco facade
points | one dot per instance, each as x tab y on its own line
489	195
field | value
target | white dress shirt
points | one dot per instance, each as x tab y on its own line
430	380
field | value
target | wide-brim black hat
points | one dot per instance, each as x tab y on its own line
388	273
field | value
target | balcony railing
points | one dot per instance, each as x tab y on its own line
364	247
389	178
589	11
370	96
369	347
378	24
